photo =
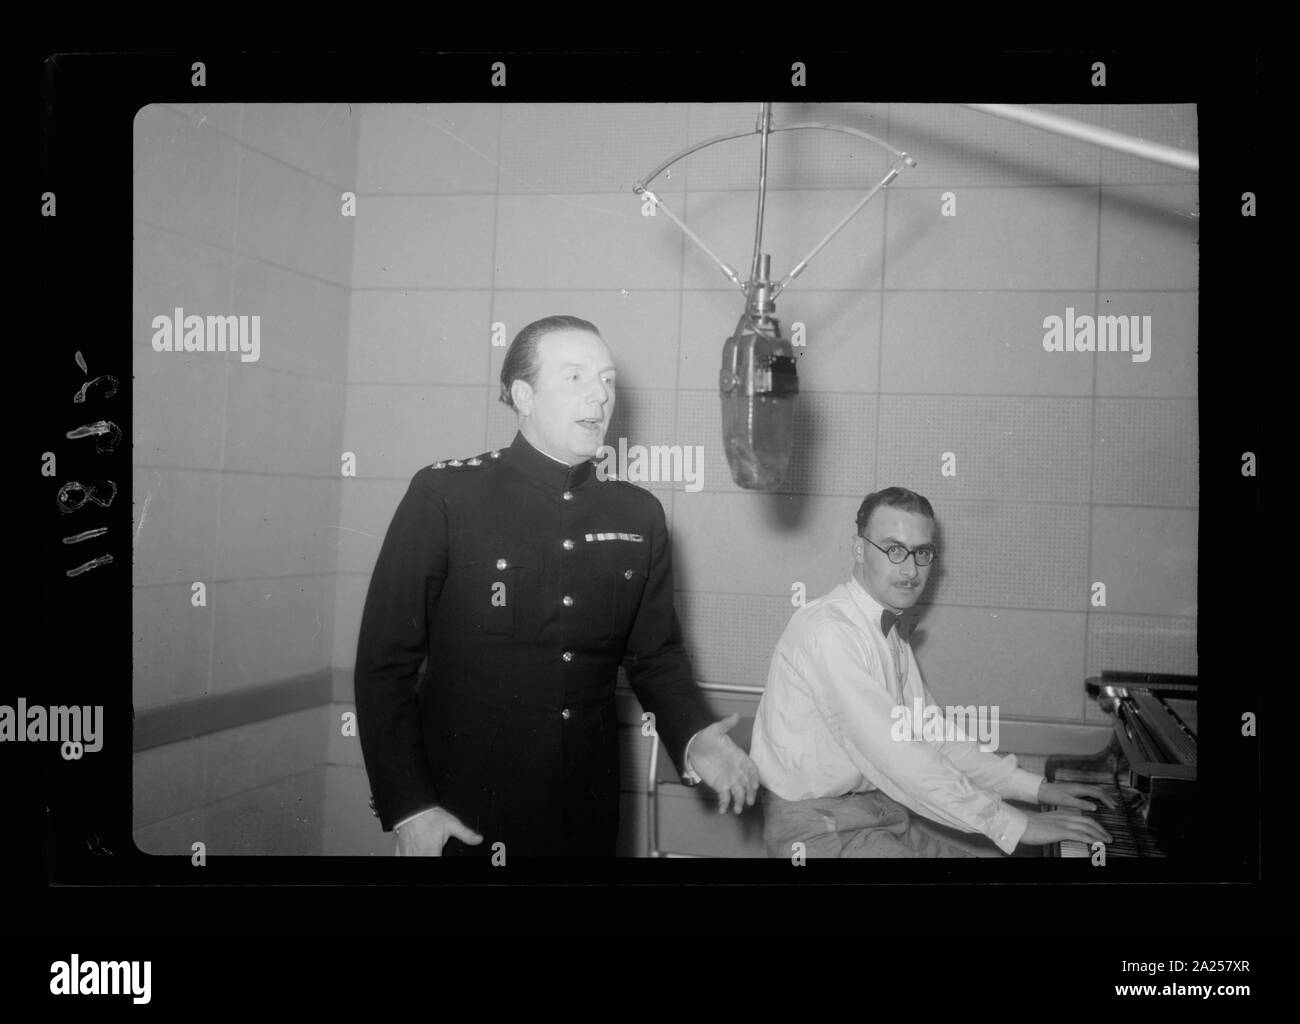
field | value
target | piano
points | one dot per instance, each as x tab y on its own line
1148	768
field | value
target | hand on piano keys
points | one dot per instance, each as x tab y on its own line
1121	817
1062	826
1079	795
1120	843
1064	820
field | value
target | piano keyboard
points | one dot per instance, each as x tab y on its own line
1148	769
1131	835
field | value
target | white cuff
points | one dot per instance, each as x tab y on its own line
1010	826
412	817
689	774
1023	786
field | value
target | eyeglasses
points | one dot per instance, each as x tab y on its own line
897	554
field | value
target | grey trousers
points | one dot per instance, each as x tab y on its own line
861	825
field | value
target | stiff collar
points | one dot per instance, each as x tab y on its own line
544	470
870	607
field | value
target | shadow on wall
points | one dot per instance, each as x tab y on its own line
787	509
625	420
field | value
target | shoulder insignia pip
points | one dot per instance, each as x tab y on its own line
473	461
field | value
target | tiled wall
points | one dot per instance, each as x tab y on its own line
924	337
236	464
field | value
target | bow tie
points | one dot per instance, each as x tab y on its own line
888	620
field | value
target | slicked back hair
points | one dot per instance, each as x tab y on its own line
894	497
521	357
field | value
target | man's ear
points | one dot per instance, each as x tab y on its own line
859	549
522	395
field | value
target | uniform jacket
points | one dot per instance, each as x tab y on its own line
519	585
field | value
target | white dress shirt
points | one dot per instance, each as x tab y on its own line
825	725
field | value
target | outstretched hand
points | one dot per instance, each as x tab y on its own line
726	768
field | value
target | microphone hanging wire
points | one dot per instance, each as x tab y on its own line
765	117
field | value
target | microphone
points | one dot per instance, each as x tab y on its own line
758	383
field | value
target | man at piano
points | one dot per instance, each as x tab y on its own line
836	778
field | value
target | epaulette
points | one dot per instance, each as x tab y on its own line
486	458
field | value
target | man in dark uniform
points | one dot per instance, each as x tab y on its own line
526	581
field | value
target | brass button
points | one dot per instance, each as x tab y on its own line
567	495
567	655
627	575
565	714
567	600
568	545
501	563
